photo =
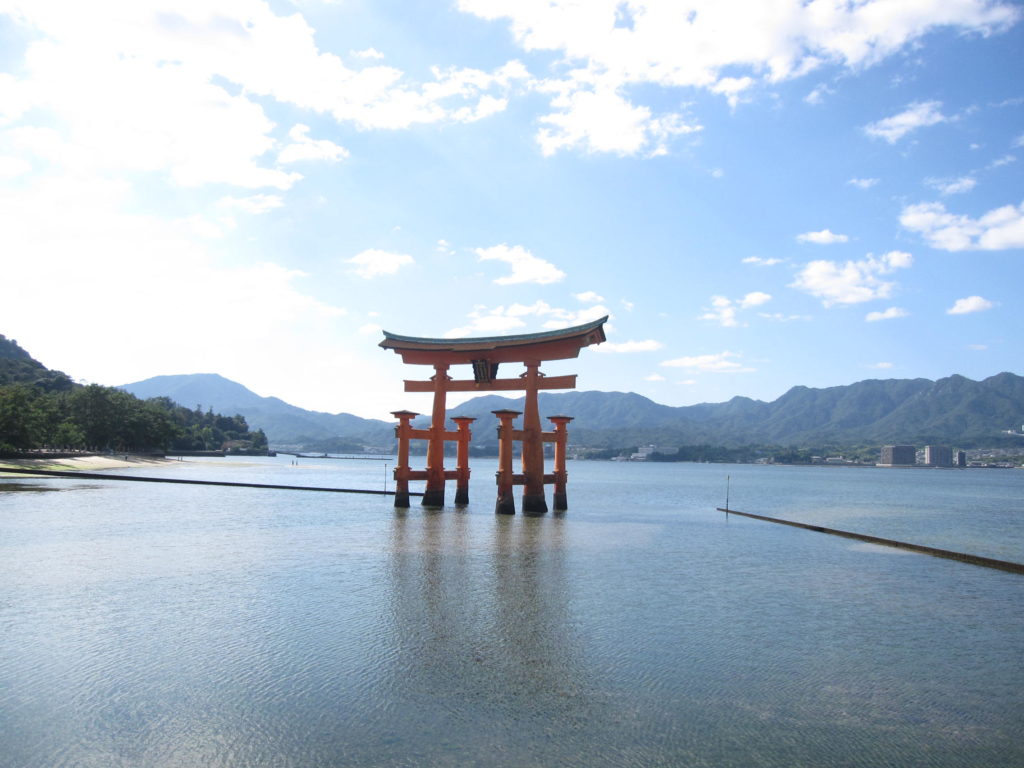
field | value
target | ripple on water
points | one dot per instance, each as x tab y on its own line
239	629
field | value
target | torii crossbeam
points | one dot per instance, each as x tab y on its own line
485	355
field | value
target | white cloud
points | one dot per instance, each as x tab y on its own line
761	262
370	329
817	96
953	186
781	318
999	229
374	262
11	167
755	299
567	319
863	183
253	203
970	304
824	237
881	366
917	115
889	314
721	362
181	87
724	310
977	347
526	268
141	261
999	162
589	297
305	148
851	282
653	376
648	345
732	88
602	120
502	319
367	53
725	47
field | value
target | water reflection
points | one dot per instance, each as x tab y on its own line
484	616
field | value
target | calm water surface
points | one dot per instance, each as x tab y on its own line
158	625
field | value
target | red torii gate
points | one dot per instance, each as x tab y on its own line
485	355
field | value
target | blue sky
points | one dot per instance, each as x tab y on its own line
759	194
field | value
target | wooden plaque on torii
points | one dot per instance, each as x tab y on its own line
485	355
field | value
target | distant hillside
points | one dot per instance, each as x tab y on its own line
284	424
44	409
953	410
19	367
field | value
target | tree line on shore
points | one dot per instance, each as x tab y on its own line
40	408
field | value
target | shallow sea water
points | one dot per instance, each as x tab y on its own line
161	625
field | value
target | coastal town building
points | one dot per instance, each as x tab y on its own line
898	456
938	456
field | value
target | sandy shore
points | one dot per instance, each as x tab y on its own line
87	463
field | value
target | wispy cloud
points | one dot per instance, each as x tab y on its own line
953	186
889	314
724	310
526	268
304	148
374	262
723	49
824	237
862	183
253	203
721	362
761	261
851	282
915	116
502	319
969	305
648	345
999	229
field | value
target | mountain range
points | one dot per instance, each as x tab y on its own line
953	410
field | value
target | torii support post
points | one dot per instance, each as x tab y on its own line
433	495
505	504
404	433
533	446
462	460
561	502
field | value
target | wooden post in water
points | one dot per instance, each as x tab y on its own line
433	495
506	503
533	446
561	502
403	433
462	459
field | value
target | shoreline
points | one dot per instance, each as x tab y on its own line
90	462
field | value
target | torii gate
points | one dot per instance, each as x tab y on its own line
485	355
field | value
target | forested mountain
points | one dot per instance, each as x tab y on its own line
284	424
952	410
40	408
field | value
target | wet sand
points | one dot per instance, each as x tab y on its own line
87	463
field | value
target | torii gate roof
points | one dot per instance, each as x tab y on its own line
562	344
